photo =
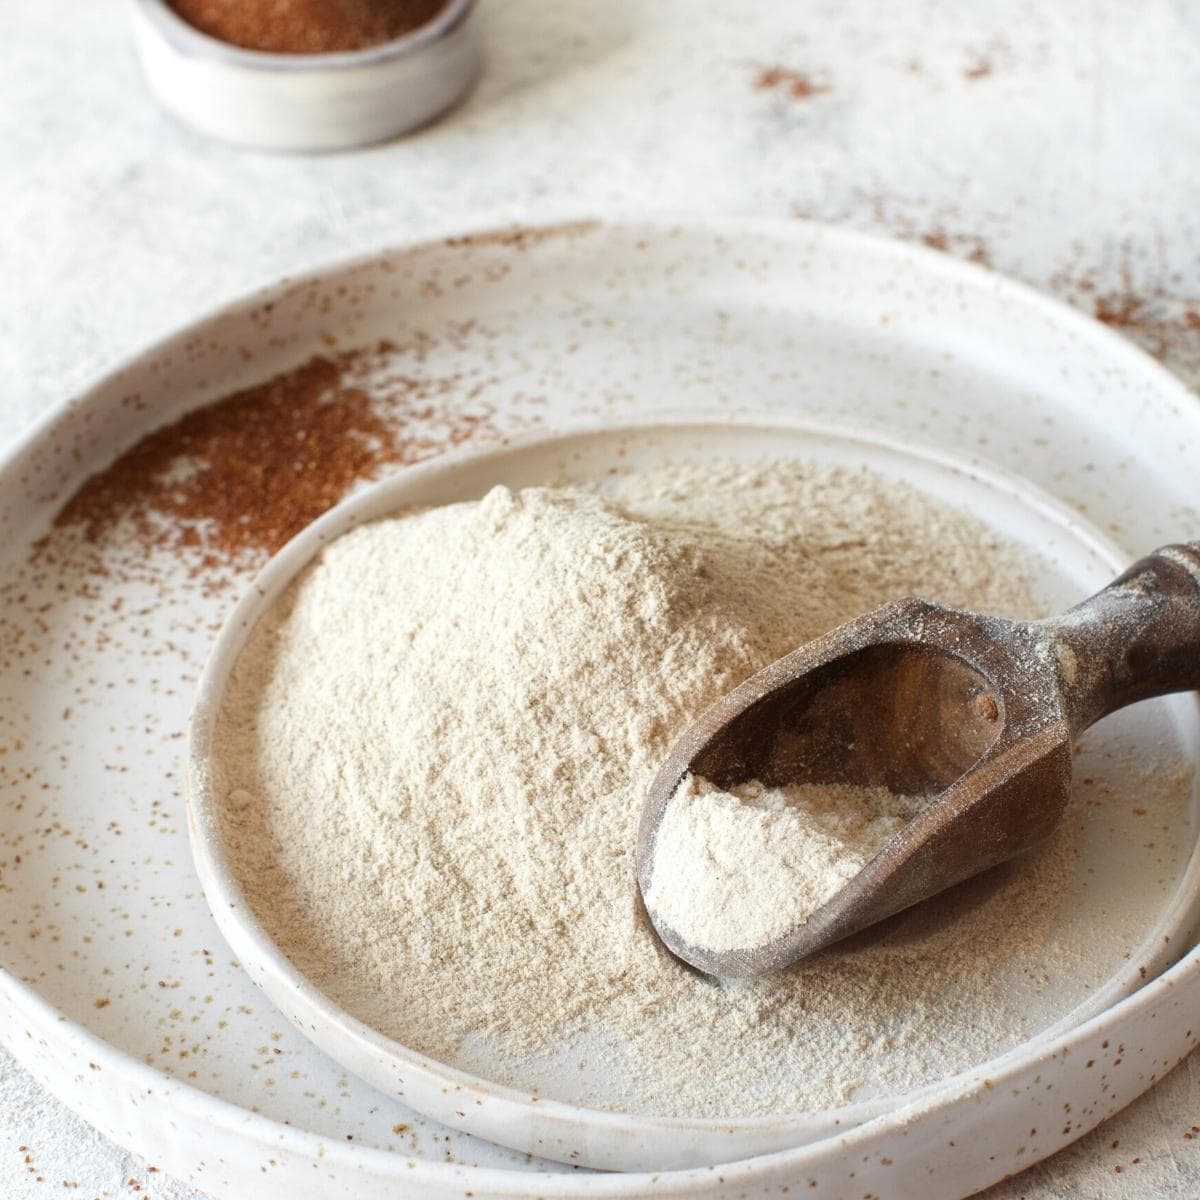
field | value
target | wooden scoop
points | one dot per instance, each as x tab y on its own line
978	712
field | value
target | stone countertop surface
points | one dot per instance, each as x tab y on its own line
1059	144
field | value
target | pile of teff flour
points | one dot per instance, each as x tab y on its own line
434	751
733	870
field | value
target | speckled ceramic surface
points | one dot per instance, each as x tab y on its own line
121	996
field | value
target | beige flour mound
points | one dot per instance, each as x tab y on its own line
434	751
735	869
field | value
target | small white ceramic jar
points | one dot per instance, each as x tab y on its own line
307	102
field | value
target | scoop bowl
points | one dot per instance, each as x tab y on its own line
976	712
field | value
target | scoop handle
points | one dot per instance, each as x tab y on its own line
1139	637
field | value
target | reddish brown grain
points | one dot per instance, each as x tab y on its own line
307	26
243	475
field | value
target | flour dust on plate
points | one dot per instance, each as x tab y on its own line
432	753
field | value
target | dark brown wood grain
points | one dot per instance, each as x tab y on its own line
977	712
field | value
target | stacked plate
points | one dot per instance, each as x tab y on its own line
642	342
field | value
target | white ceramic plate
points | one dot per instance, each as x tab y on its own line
1128	902
122	999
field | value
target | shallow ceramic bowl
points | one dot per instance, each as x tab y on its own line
1077	560
307	102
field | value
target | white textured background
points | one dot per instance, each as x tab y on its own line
1059	143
